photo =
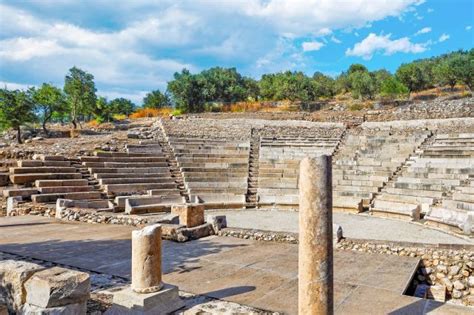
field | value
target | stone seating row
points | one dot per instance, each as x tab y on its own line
365	162
215	171
434	186
52	177
144	167
278	166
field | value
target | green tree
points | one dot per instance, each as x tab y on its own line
323	85
103	110
445	74
187	91
356	67
392	88
156	99
380	76
411	75
363	84
122	106
223	85
293	86
463	68
80	89
48	99
16	109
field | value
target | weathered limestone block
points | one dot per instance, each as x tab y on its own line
218	222
70	309
163	302
190	215
13	275
146	259
12	204
57	287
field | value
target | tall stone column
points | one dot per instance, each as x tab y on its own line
146	259
315	252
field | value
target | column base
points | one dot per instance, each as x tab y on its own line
127	301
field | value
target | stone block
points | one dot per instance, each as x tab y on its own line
57	287
165	301
437	293
12	203
190	215
218	222
13	275
70	309
4	179
3	309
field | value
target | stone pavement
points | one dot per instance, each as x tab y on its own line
354	225
258	274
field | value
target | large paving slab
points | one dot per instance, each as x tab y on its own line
258	274
354	225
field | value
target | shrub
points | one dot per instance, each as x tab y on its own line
151	112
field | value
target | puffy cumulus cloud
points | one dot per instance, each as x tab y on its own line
443	37
300	17
383	43
424	30
312	46
468	28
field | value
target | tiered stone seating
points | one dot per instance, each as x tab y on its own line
366	161
142	168
53	177
438	184
279	166
215	171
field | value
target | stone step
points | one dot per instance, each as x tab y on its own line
29	178
43	157
124	164
192	185
143	180
38	163
122	159
463	197
20	192
279	199
356	188
130	175
217	190
219	198
42	169
413	192
64	189
405	198
460	219
123	154
47	198
347	202
411	210
136	188
458	204
134	170
61	182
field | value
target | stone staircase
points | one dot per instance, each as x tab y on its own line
253	169
176	173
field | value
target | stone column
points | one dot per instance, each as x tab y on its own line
146	259
315	252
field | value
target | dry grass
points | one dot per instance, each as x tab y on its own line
240	107
151	112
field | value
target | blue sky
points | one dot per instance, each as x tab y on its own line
134	46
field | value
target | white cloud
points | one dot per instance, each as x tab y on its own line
335	40
430	10
310	16
15	86
312	46
468	28
382	43
443	38
424	30
143	43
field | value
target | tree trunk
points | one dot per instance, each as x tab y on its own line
18	134
46	118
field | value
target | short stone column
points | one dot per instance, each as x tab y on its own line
315	252
146	259
147	293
